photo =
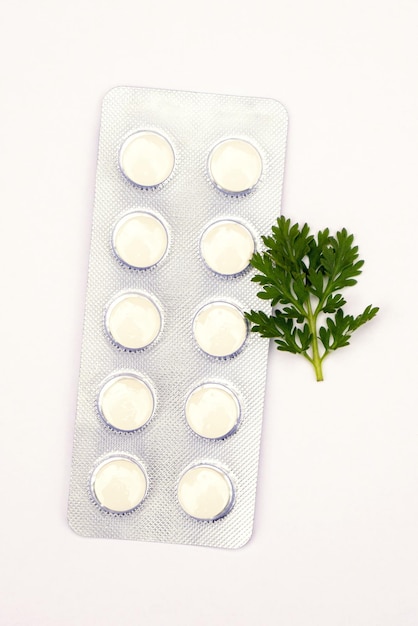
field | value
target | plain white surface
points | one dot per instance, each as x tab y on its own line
336	528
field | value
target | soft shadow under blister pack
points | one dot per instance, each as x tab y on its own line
171	387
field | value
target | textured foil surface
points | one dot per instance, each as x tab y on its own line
181	284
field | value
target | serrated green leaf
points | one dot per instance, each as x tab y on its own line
333	303
302	275
324	335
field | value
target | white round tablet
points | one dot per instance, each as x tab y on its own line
146	158
220	329
119	484
227	247
205	492
212	411
235	165
126	402
140	240
133	321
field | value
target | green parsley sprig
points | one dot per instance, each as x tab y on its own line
302	275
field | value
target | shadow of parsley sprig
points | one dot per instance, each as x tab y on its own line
302	275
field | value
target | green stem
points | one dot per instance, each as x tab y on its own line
316	359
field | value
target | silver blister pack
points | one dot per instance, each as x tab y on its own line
171	387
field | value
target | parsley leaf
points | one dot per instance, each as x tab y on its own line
302	276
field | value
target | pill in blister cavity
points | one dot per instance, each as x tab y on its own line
133	321
146	158
212	411
205	492
140	240
235	165
119	484
220	329
126	402
227	247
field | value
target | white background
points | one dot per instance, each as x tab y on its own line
336	528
